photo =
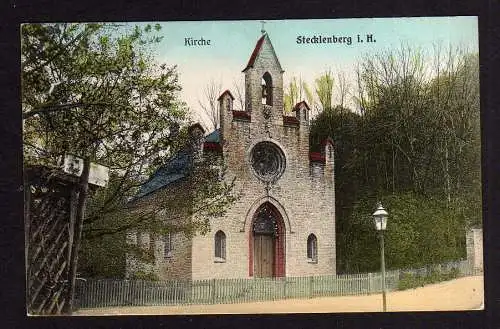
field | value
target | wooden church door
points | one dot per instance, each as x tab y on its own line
263	255
268	240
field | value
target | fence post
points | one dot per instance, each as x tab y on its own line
213	291
311	286
284	287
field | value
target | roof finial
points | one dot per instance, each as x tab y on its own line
262	29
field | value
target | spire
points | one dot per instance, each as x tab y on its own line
262	29
258	47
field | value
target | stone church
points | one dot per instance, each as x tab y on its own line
284	222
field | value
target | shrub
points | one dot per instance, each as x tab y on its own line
435	275
144	276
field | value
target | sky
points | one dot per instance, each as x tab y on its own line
232	42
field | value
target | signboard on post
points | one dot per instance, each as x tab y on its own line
98	175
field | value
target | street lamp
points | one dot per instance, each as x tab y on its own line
380	220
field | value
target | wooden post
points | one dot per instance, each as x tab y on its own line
73	204
213	291
27	222
83	188
310	287
284	287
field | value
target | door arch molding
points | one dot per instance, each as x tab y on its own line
247	224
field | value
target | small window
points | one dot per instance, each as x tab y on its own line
312	248
151	242
267	89
220	246
144	240
168	246
132	238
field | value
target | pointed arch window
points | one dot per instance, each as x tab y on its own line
220	246
312	249
267	89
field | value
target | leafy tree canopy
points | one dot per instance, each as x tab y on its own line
97	92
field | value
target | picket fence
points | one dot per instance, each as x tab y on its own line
93	293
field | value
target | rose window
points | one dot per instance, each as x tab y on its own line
268	161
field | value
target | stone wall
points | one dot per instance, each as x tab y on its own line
304	195
178	264
474	246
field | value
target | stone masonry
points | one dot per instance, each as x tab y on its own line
304	195
474	246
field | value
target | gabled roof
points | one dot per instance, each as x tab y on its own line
213	137
289	120
297	106
224	93
175	169
257	49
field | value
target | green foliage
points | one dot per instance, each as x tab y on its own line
420	231
410	280
415	145
295	92
103	258
96	91
324	90
144	276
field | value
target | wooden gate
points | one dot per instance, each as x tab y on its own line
49	218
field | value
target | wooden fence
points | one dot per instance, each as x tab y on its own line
109	292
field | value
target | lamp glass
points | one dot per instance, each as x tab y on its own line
380	218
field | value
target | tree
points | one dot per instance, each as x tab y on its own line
95	91
239	95
324	90
343	87
210	105
416	138
295	92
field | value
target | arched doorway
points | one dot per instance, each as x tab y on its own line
267	243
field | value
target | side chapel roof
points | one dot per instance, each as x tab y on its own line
174	170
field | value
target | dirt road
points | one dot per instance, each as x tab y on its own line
460	294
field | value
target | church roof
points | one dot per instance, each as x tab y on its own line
172	171
257	49
297	106
213	137
224	93
175	169
255	52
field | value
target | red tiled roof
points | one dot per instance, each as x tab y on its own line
241	115
316	156
290	120
296	107
224	93
255	53
212	146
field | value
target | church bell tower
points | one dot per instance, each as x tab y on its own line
264	82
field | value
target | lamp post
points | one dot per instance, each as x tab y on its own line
380	220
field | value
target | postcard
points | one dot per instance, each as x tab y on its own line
242	167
